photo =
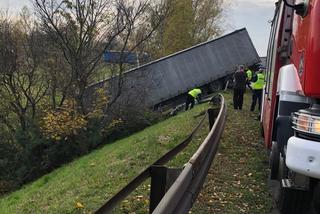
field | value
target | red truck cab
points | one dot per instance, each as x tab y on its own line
291	111
306	49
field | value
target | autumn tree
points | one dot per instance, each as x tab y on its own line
207	19
84	29
23	88
178	28
189	22
46	64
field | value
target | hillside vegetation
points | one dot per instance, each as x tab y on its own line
236	182
53	56
96	177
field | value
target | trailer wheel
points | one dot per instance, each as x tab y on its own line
274	161
216	85
228	80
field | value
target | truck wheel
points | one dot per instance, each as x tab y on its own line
230	80
293	201
274	161
216	86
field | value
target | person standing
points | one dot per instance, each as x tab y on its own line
240	80
257	88
192	95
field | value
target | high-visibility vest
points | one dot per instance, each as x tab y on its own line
195	92
259	83
249	74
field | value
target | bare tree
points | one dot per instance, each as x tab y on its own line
56	70
22	85
84	29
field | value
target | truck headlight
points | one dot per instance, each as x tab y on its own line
306	123
316	126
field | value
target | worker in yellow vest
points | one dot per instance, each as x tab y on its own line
192	96
257	87
249	74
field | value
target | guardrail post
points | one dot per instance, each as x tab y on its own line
161	180
213	113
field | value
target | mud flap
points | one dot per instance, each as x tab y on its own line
293	200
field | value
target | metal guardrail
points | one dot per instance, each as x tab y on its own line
175	190
183	193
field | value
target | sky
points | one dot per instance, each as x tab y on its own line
254	16
251	14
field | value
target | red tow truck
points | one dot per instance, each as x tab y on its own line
291	105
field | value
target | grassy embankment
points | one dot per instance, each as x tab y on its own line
236	182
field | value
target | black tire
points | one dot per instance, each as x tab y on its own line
274	161
228	80
216	86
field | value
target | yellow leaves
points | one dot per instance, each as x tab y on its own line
63	122
139	197
115	122
101	101
79	205
66	121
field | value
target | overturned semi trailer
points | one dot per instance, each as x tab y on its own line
207	65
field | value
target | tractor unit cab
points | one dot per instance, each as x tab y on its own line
291	104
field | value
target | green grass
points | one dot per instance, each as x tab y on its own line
106	70
96	177
236	182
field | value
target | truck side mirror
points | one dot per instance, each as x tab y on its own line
300	8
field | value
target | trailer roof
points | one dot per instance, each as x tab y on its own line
183	51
